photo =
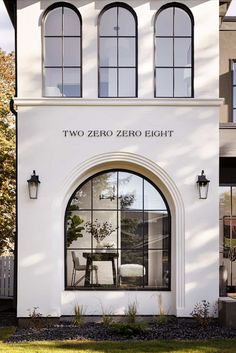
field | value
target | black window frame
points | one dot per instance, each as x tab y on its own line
233	85
131	10
166	249
80	67
189	13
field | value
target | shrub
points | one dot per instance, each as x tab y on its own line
131	313
79	312
201	313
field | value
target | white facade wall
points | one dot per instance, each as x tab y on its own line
62	163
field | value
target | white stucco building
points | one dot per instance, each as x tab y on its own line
118	113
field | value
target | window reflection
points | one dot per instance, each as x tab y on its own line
118	229
117	52
173	52
62	52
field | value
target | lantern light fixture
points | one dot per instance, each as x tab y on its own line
33	184
203	185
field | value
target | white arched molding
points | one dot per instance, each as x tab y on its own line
155	173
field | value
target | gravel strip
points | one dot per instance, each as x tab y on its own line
178	329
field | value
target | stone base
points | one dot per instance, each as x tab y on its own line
227	312
37	322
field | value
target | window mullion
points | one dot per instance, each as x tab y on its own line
62	51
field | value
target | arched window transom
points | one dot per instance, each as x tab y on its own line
117	229
174	51
117	52
62	51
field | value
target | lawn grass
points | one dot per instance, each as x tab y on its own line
216	346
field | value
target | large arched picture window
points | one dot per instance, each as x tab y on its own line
117	51
174	51
62	59
117	234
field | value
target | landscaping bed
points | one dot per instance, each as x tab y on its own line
175	328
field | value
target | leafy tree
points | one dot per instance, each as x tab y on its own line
7	153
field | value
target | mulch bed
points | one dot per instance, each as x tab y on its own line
178	329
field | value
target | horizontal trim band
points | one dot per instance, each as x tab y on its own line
28	102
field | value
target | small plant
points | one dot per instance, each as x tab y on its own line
201	313
36	320
79	312
131	313
107	316
128	329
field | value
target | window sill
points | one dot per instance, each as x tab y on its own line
230	125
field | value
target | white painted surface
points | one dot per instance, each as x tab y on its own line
62	163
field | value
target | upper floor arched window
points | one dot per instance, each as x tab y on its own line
174	51
62	57
117	51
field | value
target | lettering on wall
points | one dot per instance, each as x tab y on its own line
118	133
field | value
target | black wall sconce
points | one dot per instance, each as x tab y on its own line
203	185
33	185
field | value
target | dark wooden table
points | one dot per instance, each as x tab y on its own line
99	256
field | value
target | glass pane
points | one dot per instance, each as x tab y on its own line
182	50
126	22
108	83
53	23
71	23
164	82
76	235
108	51
225	202
53	82
71	83
71	51
127	53
234	97
182	23
234	115
234	201
164	23
182	83
82	198
105	191
104	230
53	52
156	229
130	191
131	269
131	230
108	23
158	268
152	198
234	73
164	52
127	82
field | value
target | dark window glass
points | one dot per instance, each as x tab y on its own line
62	53
173	52
117	52
117	234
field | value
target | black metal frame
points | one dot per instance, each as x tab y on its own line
131	10
117	249
189	13
230	216
233	85
62	67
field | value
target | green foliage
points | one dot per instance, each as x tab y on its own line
129	329
79	313
7	154
74	229
107	316
201	313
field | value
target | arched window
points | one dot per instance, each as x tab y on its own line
62	59
117	234
174	51
117	51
